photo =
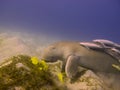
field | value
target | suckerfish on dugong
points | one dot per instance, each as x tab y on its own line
73	55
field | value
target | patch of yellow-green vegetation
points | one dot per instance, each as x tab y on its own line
34	60
116	66
55	69
61	77
42	65
27	73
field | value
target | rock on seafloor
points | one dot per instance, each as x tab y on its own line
19	73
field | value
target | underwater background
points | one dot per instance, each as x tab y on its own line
63	19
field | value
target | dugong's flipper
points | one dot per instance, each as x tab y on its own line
71	68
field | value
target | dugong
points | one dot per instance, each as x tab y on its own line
73	55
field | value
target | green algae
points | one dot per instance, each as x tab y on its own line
22	73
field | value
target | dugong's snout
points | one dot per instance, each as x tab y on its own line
49	59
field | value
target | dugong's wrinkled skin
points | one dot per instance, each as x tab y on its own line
74	55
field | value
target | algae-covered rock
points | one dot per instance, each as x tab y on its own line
25	73
19	73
